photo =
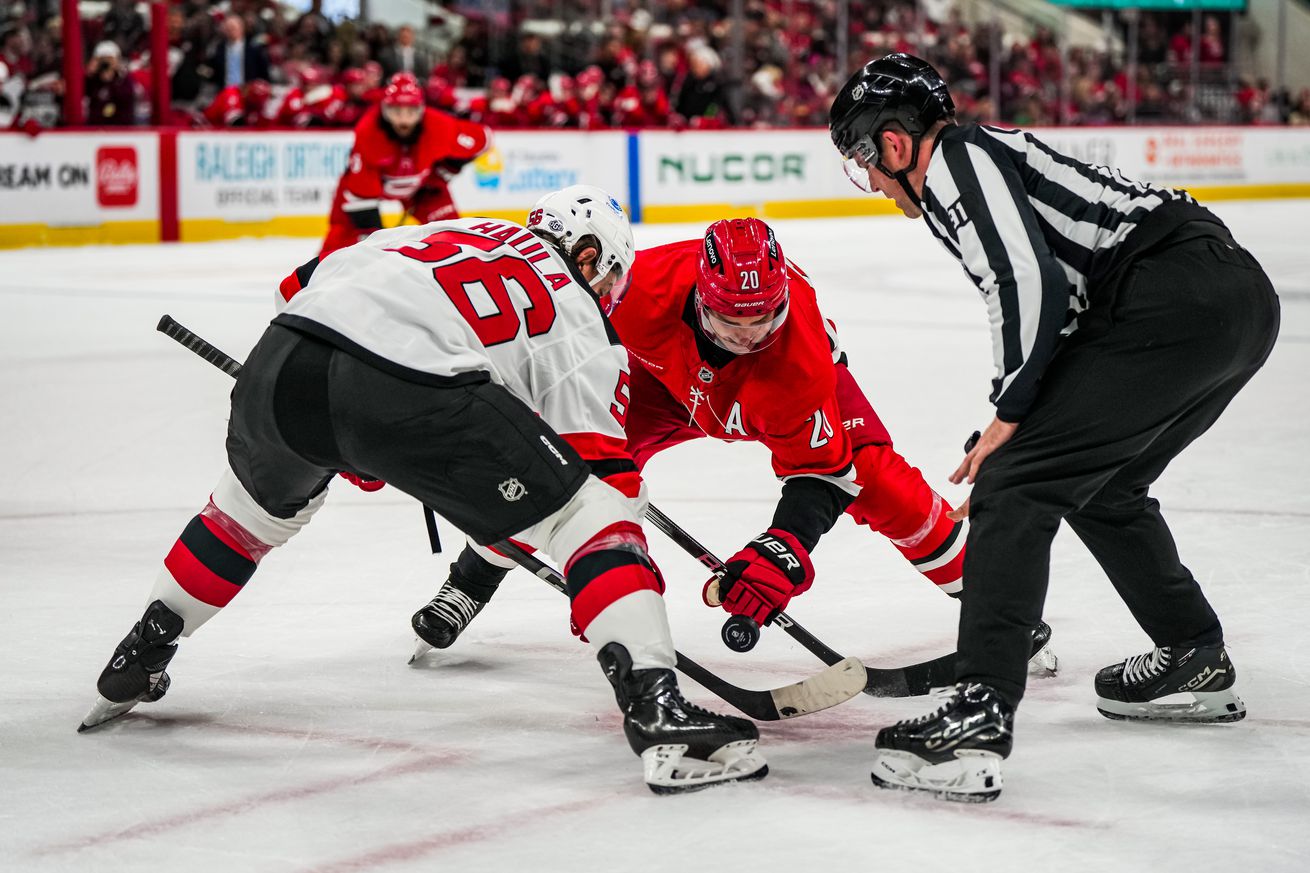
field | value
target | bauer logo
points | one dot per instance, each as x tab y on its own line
116	176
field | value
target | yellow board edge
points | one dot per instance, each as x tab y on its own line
207	229
14	236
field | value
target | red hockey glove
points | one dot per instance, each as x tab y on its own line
763	577
363	483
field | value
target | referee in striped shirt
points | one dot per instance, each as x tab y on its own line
1124	320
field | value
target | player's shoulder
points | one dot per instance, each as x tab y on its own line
661	277
668	256
369	136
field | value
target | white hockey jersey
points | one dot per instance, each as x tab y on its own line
458	301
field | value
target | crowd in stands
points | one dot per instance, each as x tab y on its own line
667	64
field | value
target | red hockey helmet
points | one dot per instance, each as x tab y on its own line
741	287
403	90
258	93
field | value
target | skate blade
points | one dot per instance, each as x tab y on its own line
104	711
1212	707
837	684
973	777
421	648
667	770
1044	663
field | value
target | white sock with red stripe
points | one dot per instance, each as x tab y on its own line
219	550
639	623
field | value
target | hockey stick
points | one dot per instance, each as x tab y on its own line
225	362
838	683
909	681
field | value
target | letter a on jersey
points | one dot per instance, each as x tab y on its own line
733	424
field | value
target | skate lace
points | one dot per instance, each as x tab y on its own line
455	606
944	697
1142	668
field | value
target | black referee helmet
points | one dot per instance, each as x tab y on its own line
896	88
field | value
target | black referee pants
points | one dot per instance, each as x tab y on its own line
1152	370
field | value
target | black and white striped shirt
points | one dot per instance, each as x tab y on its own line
1037	232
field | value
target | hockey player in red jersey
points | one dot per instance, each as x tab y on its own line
726	340
381	365
403	151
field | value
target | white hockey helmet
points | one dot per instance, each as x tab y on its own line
568	215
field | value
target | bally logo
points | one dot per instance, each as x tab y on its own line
116	176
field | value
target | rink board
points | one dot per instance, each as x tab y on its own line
151	185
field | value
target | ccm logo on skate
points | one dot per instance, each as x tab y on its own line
1202	679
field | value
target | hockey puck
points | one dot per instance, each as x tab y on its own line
740	633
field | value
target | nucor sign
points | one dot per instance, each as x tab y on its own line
732	167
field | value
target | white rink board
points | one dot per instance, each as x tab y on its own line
734	167
79	179
245	177
261	176
522	166
295	737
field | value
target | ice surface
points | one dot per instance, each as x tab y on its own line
296	738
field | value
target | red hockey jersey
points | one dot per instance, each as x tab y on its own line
380	167
783	395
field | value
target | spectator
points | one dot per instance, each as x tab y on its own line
190	39
1152	47
406	57
125	26
1214	50
236	59
700	96
1300	114
16	51
529	60
111	95
11	96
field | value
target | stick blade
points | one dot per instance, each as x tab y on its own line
837	684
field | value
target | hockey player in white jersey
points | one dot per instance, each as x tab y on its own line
468	364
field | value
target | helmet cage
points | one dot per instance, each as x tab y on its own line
740	339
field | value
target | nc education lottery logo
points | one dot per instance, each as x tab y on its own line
116	176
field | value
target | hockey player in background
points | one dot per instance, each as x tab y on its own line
726	340
382	365
1124	320
403	151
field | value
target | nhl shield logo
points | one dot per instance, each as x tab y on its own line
858	92
706	375
512	489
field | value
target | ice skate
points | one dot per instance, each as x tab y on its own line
440	623
1174	683
136	671
953	753
1043	661
682	747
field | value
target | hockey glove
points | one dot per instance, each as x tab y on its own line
762	578
363	483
